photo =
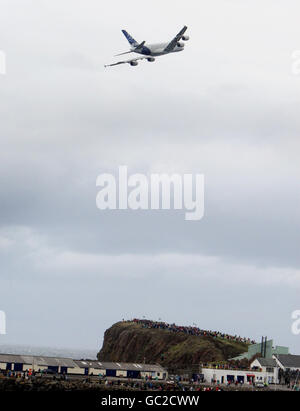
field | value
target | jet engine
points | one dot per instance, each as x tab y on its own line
180	45
185	38
151	59
134	63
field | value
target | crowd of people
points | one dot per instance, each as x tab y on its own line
30	374
191	330
289	377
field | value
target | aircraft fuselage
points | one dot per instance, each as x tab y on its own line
157	49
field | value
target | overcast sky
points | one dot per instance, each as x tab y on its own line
228	108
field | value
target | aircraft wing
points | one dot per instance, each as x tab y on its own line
175	40
133	62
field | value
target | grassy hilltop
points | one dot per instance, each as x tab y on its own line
130	342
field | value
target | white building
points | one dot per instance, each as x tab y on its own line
122	370
20	363
288	362
266	370
268	367
261	370
223	376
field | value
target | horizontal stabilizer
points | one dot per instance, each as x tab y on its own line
122	54
140	46
137	48
132	62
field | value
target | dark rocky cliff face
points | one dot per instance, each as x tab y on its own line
130	342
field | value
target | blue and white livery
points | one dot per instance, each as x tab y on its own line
150	51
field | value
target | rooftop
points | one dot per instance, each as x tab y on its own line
119	366
70	363
267	362
289	360
38	360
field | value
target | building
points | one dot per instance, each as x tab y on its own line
223	376
20	363
261	370
11	362
123	370
288	369
281	368
266	349
269	368
288	362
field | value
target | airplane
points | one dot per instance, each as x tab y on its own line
151	51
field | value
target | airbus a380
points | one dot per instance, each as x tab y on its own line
150	51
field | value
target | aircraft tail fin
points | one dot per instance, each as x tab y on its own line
130	39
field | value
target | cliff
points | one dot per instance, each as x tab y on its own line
131	342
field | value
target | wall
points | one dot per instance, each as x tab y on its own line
217	374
